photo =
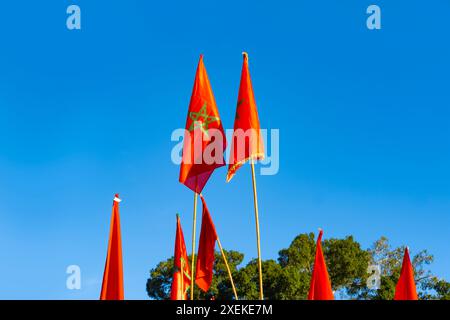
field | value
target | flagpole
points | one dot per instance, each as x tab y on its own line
258	238
228	268
194	223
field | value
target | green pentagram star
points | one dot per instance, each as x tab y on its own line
204	123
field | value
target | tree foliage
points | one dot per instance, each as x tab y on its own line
160	280
289	277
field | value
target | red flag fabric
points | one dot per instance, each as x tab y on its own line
320	288
247	142
205	257
112	285
181	277
406	287
178	291
202	152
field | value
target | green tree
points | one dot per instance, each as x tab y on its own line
221	285
159	283
247	280
436	289
297	263
290	276
390	261
347	264
160	280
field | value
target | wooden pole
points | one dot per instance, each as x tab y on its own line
228	268
258	240
194	224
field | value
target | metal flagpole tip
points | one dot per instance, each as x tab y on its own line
320	233
116	198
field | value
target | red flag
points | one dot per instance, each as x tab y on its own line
247	141
181	276
178	291
406	288
112	286
202	151
205	257
320	288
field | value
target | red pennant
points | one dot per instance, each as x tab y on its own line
205	257
181	277
178	291
112	286
320	288
406	287
247	141
202	153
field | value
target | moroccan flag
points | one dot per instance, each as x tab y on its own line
112	286
181	277
406	288
204	139
320	288
247	142
205	257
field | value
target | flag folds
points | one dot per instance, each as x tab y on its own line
204	140
177	291
181	277
320	288
246	142
112	285
406	287
205	257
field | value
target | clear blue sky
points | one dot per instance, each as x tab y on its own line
363	116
